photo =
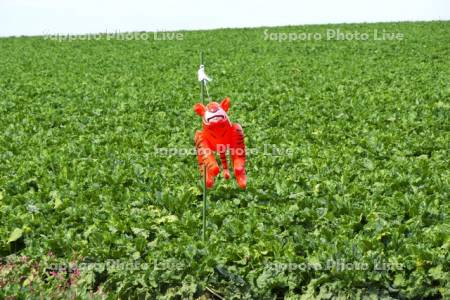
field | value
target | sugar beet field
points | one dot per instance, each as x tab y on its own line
348	174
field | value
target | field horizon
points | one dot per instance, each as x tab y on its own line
104	32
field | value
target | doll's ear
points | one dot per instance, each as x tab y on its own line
199	109
225	104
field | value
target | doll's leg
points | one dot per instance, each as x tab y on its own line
238	155
206	158
223	158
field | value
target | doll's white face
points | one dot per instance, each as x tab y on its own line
214	114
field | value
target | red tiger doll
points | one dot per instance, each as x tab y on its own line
219	135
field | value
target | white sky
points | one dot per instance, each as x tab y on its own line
38	17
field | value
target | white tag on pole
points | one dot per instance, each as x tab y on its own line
202	75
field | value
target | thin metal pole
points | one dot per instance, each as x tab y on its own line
202	87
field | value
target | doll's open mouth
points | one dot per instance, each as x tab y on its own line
215	118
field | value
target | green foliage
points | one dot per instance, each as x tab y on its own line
367	181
